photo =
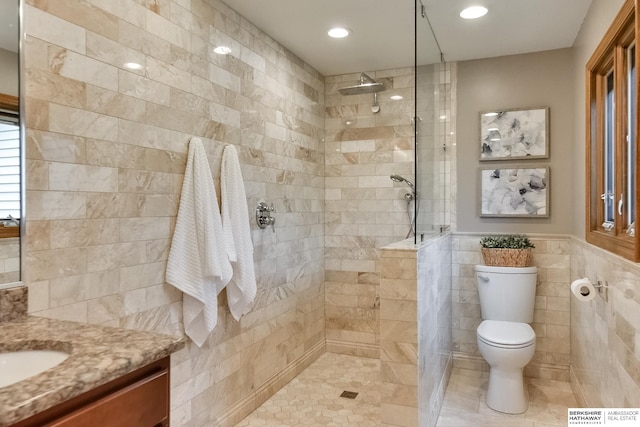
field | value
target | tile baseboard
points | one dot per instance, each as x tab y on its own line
576	388
533	370
353	349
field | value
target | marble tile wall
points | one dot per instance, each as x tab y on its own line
605	333
552	256
434	326
106	148
10	260
398	266
365	210
415	330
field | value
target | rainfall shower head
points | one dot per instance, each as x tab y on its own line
367	85
398	178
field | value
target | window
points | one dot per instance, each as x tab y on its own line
611	139
9	167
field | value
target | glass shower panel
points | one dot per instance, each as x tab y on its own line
425	133
434	139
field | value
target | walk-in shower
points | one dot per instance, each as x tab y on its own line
366	85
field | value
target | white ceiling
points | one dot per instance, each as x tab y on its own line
383	30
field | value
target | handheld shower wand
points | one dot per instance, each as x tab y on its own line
409	197
398	178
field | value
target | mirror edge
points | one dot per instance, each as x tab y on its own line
23	131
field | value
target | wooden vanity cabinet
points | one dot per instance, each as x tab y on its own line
138	399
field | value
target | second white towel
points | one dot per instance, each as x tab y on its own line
241	290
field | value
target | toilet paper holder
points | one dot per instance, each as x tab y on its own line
603	289
601	286
598	284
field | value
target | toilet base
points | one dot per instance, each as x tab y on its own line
506	392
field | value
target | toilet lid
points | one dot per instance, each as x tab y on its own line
506	334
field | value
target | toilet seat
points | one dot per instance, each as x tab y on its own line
508	335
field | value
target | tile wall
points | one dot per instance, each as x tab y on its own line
434	326
552	256
10	260
365	210
106	150
605	334
399	355
415	330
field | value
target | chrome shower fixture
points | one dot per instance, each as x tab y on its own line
409	197
398	178
367	85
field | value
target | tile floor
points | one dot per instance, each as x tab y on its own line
312	399
464	403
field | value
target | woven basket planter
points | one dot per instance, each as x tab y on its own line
507	257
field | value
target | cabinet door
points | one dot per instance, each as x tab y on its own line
144	403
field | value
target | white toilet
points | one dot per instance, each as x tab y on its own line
505	339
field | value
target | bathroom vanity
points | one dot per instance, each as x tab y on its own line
112	377
138	399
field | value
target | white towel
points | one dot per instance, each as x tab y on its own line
241	290
198	263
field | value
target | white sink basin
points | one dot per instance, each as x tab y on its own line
20	365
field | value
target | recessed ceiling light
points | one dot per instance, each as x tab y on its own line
473	12
222	50
491	114
132	65
338	32
396	97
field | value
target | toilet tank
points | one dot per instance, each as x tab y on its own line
507	293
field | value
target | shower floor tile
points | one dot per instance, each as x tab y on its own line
313	399
464	403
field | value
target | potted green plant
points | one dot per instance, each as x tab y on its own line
511	250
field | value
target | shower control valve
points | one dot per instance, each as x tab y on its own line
263	216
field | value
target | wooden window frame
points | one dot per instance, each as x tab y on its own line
611	55
9	102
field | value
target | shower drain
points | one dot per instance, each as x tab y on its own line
349	394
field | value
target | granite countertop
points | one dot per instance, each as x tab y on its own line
98	354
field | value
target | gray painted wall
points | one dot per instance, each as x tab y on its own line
529	80
8	72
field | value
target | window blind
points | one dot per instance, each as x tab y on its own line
9	166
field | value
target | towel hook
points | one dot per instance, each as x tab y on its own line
263	216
